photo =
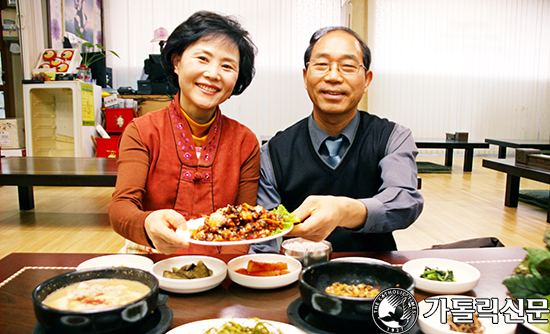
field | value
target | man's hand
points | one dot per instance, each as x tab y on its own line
161	228
323	214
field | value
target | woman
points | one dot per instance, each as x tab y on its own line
187	160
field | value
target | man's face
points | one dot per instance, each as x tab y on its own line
334	93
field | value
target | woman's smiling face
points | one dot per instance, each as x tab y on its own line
207	72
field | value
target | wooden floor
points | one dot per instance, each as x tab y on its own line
457	206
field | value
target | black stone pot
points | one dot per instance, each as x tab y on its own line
314	279
94	321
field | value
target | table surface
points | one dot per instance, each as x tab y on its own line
443	143
57	165
21	272
147	97
519	142
42	171
511	167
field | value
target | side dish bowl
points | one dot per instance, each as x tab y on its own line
466	276
307	252
264	282
117	260
314	279
218	267
99	320
358	259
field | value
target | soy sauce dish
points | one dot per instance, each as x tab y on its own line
111	319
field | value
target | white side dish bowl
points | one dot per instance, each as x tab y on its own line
433	325
465	275
357	259
218	267
264	282
117	260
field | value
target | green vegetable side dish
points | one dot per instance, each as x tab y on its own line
531	278
289	219
438	275
189	271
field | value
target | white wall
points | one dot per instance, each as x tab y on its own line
280	29
479	66
33	35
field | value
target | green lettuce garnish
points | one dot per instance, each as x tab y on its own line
544	327
289	219
531	279
538	261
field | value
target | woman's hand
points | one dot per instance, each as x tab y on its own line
161	228
320	215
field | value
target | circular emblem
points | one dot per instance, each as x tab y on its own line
395	310
120	121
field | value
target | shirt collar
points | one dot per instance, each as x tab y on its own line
318	136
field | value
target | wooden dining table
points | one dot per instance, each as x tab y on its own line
27	172
450	146
20	273
514	172
503	144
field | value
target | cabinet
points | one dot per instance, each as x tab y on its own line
148	103
60	118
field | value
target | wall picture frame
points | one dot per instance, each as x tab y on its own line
66	16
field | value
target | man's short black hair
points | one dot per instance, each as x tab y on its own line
323	31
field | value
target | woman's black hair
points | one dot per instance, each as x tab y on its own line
323	31
203	24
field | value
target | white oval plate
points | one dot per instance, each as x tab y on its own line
357	259
117	260
433	325
195	223
466	276
267	282
204	325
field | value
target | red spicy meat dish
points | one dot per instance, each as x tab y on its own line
240	222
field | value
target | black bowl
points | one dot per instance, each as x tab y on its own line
314	279
94	321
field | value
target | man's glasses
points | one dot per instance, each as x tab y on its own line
345	67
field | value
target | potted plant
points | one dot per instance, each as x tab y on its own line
84	71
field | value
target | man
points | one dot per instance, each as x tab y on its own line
356	196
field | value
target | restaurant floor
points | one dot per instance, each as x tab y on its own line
458	206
